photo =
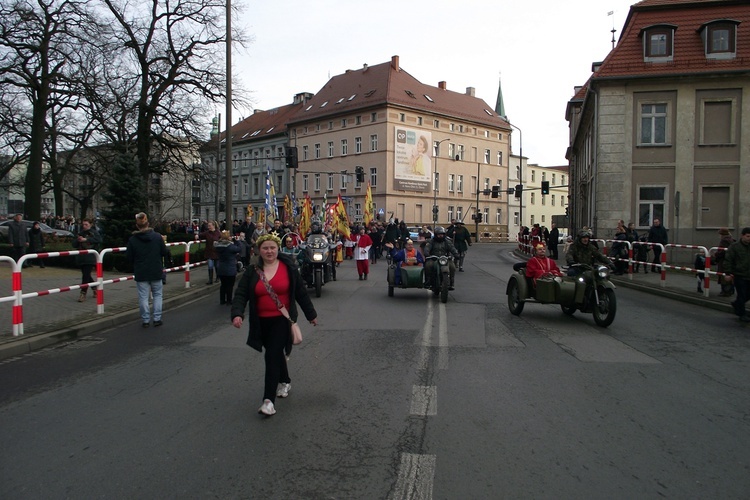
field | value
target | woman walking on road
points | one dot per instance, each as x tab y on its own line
88	239
227	251
272	280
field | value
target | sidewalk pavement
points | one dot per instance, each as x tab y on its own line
59	316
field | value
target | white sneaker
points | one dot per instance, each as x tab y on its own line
267	408
282	390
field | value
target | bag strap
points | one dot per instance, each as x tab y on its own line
273	295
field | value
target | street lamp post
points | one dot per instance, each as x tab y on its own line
434	185
520	173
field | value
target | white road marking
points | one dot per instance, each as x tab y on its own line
416	473
423	400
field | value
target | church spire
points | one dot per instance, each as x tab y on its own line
499	106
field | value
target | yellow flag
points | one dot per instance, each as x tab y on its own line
342	220
250	211
306	218
369	209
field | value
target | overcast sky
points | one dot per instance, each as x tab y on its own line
539	49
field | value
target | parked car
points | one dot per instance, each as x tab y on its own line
414	232
48	231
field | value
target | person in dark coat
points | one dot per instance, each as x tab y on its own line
269	329
228	251
146	252
462	242
211	235
36	242
657	234
18	238
553	241
725	240
88	239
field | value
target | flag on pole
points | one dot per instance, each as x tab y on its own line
306	218
342	220
288	210
271	209
250	211
369	214
295	210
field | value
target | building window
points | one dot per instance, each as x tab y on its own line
357	145
451	127
720	40
330	149
436	123
358	120
658	43
419	121
653	124
344	181
486	183
317	182
329	187
553	179
652	203
357	211
343	123
279	187
562	180
374	142
544	176
532	198
460	183
357	184
532	220
499	216
717	122
317	151
487	156
451	150
460	151
553	200
460	213
373	177
451	182
305	152
485	215
373	117
344	147
330	125
499	157
245	187
450	212
515	218
234	187
402	117
533	176
305	183
255	185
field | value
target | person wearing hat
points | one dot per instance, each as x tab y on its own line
727	288
408	256
737	269
462	242
583	251
541	265
146	252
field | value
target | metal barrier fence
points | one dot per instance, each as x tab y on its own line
17	281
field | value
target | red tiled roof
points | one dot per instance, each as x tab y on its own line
387	83
263	124
626	60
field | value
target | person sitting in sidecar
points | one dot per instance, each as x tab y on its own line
582	251
540	265
407	257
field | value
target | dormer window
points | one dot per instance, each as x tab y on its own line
720	39
658	43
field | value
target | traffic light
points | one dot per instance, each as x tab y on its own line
495	191
567	211
519	190
360	172
545	187
290	152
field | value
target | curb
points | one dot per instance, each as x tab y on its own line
24	345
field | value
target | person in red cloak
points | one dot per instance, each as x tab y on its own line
541	265
362	244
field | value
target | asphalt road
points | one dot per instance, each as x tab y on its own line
397	397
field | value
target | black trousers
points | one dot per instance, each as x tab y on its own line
742	287
275	335
226	289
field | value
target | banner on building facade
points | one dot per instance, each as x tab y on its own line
413	160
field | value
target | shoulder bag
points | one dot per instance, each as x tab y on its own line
294	330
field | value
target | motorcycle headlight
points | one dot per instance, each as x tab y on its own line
318	257
443	261
603	272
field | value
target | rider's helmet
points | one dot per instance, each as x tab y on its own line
584	233
316	227
439	230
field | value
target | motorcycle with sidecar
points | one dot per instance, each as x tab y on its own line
590	291
414	276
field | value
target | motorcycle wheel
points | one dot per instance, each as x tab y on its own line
444	289
570	311
333	271
605	310
318	281
515	304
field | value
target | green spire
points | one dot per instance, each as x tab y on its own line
499	106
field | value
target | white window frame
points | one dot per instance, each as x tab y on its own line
373	142
639	202
357	145
654	116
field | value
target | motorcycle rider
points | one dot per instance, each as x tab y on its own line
438	246
582	251
305	264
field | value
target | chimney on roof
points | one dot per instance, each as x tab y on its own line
441	85
302	97
364	67
595	67
577	89
255	111
394	63
471	91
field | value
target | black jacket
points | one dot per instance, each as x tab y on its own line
245	294
146	251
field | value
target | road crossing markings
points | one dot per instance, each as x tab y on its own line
423	400
416	474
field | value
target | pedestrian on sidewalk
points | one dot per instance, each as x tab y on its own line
700	266
146	252
270	283
553	241
88	239
18	238
727	289
211	235
657	234
228	251
36	242
737	267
